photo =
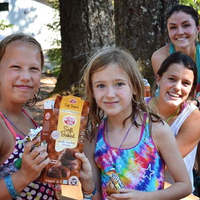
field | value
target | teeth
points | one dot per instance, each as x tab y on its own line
180	39
174	95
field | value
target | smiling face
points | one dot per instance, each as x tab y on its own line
20	72
112	90
175	84
182	29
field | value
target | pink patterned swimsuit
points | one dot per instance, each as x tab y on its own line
35	190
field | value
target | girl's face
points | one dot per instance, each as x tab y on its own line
112	90
182	29
20	72
175	84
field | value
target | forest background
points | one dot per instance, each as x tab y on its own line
87	25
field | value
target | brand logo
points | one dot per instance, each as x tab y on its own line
72	101
70	121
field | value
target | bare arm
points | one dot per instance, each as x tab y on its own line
189	134
89	148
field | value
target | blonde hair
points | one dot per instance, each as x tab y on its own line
127	63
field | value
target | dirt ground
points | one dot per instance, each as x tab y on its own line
46	87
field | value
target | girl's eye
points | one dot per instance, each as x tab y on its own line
171	79
172	27
186	83
120	84
34	69
100	86
186	25
15	67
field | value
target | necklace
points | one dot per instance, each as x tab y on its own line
14	125
172	115
179	110
106	126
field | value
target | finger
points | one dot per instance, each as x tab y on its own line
28	145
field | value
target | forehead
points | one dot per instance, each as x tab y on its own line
179	70
180	17
110	71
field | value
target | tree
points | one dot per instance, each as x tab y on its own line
78	20
140	27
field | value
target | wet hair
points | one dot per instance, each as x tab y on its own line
125	61
23	38
186	9
26	39
180	58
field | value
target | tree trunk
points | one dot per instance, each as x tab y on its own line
75	41
140	26
83	28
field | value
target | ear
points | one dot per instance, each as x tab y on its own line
198	29
134	92
158	79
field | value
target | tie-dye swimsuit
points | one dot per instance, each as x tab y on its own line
35	190
140	167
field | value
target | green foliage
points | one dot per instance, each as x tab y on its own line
194	3
54	55
4	25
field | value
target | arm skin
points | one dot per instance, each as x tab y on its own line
189	133
167	146
158	57
32	164
89	148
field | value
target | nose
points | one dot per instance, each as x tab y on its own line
180	30
25	75
110	92
178	85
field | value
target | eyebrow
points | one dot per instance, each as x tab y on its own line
181	23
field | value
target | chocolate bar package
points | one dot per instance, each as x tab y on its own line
63	132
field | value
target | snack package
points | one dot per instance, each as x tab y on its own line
114	183
63	132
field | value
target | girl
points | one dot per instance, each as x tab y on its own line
183	29
132	143
177	80
21	63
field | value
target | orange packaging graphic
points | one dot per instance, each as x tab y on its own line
63	133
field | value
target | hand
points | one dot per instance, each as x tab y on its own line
127	194
33	161
86	177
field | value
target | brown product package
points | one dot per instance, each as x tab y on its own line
63	131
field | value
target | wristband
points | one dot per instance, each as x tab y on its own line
10	186
198	103
90	194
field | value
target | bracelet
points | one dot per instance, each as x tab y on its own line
10	186
198	103
90	194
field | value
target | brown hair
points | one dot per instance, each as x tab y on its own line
127	63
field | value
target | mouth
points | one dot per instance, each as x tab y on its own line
174	95
111	103
181	39
23	87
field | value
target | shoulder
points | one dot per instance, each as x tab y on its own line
159	56
193	117
161	133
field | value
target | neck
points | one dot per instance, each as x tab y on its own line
168	112
190	50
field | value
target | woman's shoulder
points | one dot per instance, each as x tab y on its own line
159	56
161	52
